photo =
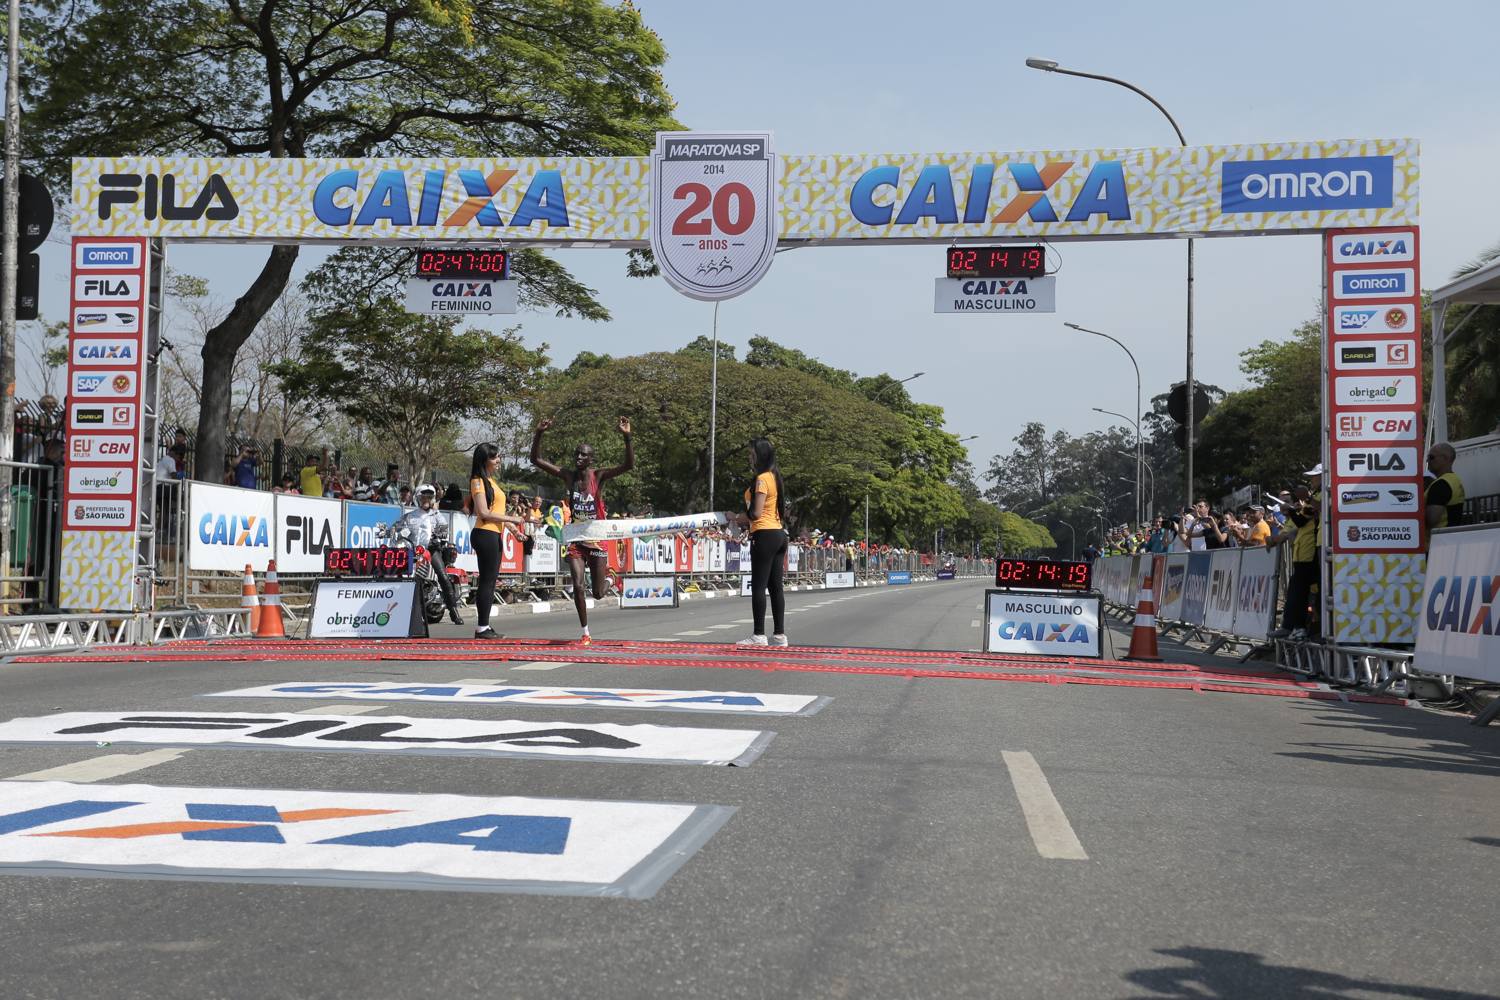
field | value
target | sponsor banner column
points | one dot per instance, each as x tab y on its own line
107	313
1375	447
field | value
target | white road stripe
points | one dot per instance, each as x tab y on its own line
973	623
1049	826
730	625
478	680
344	709
543	665
744	621
99	768
695	631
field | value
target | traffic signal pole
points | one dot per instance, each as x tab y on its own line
9	271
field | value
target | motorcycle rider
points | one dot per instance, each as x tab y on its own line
429	528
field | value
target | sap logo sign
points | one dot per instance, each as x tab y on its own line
389	199
1044	631
932	195
300	532
157	195
86	384
1356	319
234	530
1307	185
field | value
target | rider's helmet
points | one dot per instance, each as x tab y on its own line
425	491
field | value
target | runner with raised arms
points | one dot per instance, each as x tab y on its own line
585	489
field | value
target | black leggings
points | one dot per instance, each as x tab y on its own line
487	551
767	552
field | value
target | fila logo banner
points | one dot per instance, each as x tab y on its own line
366	839
737	702
394	734
1358	463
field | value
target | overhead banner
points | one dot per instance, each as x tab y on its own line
718	702
1458	627
914	197
374	840
395	734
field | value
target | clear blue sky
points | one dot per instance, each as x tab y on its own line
896	77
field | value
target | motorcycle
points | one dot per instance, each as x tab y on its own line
412	531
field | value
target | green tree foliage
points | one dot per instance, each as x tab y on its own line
408	380
834	446
1473	361
336	78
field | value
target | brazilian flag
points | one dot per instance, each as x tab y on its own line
554	522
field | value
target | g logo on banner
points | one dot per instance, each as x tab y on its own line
714	210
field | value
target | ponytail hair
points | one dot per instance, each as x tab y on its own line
482	455
765	461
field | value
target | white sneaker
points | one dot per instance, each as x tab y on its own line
754	640
779	640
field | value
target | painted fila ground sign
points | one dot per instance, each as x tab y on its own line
358	839
394	734
736	702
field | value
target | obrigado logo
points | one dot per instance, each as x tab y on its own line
1313	185
932	196
1469	605
390	197
234	529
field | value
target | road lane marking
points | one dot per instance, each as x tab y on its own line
99	768
543	665
340	710
1050	830
744	621
973	623
695	631
730	625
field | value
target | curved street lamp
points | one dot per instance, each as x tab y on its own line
1051	66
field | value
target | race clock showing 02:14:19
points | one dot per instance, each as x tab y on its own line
997	262
1042	574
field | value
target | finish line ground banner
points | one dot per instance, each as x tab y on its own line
1275	187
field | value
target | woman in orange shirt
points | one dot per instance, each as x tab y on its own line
765	506
490	519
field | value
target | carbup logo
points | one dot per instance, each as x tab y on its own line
234	530
1394	283
933	196
1314	185
1467	605
1376	248
388	199
100	256
1374	355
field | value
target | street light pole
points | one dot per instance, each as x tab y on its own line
1051	66
1136	456
1151	479
1139	454
876	398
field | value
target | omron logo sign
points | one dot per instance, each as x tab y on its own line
98	256
1313	185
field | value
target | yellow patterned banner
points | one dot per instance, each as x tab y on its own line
97	570
1376	597
856	198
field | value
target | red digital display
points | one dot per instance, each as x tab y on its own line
997	262
1042	574
463	263
384	561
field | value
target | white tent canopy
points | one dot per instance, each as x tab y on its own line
1480	288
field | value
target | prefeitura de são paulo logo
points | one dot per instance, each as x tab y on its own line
713	210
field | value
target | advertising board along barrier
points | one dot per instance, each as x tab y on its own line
1458	621
898	578
353	839
718	702
1065	625
306	528
838	581
1231	591
229	527
397	734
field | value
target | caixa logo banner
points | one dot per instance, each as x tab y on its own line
1458	624
229	528
375	840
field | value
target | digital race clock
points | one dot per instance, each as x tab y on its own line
462	262
1042	574
997	262
384	561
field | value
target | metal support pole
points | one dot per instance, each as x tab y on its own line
713	409
1191	387
9	270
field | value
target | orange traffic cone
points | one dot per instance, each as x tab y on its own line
249	602
1143	636
271	626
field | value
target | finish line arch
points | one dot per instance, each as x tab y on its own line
1361	196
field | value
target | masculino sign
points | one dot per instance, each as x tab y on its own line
364	839
832	198
1458	624
396	734
994	295
1037	625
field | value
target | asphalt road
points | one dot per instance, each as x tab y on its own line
918	837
